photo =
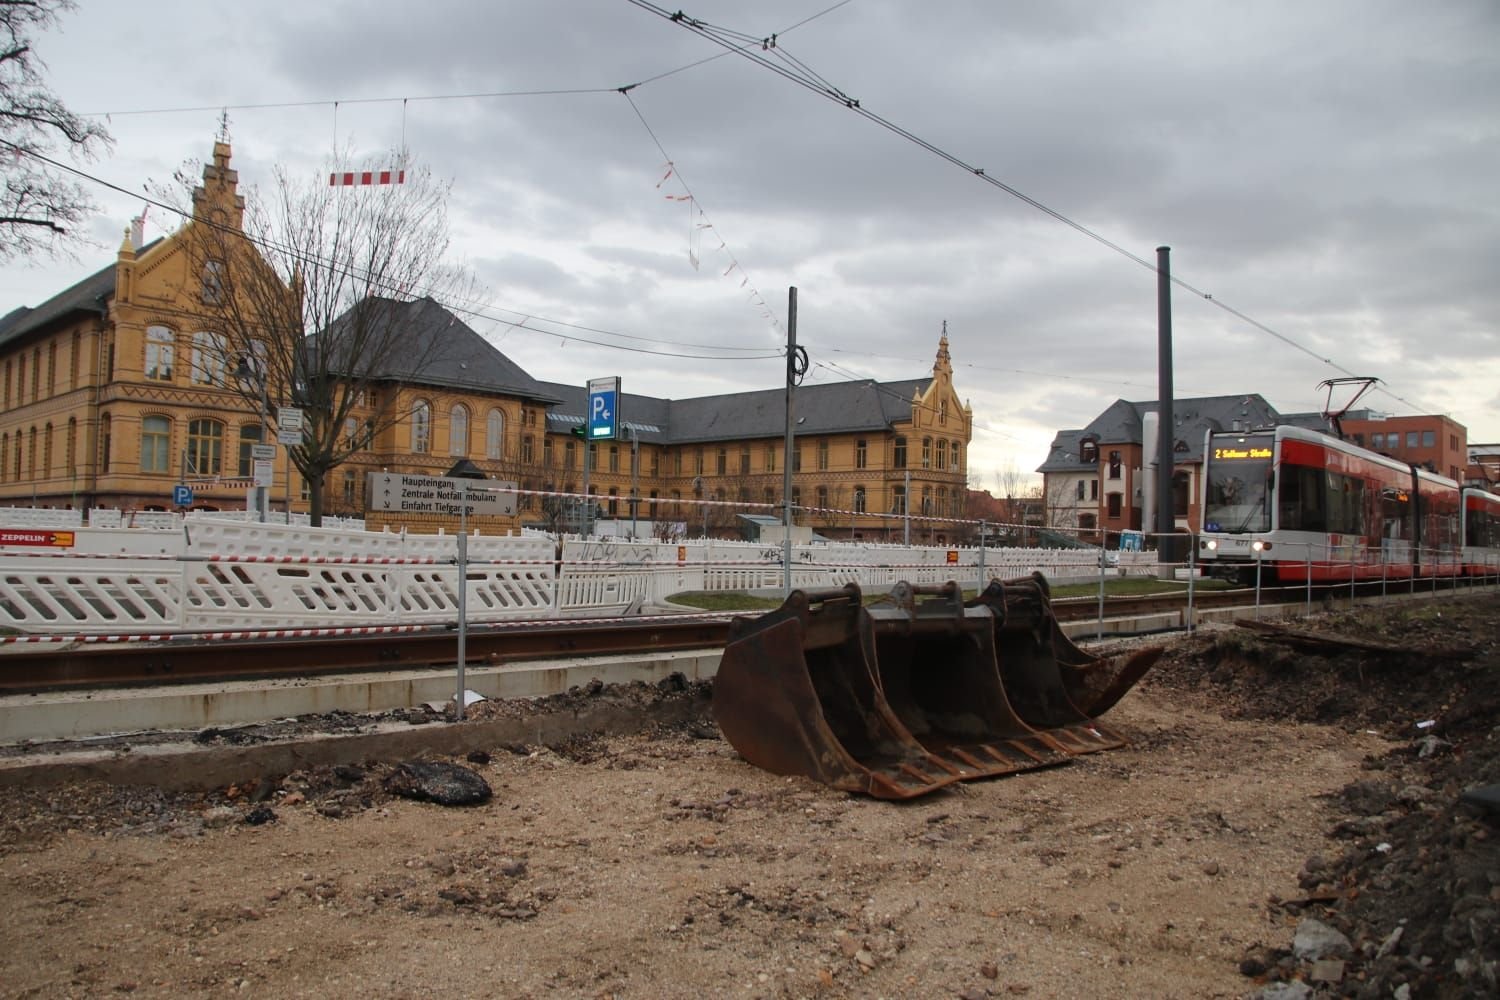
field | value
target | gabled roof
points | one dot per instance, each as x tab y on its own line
90	295
442	351
1065	455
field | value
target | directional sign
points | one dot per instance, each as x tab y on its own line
264	471
604	409
34	536
288	425
263	452
395	493
182	496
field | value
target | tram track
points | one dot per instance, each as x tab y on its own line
104	662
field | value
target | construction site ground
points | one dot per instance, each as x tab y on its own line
1266	784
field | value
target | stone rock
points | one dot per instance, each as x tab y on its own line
1327	970
260	815
1285	991
436	781
1315	939
217	816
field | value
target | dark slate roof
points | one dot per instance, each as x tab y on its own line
446	353
1121	423
1064	454
91	295
838	407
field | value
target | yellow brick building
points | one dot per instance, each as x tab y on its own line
118	389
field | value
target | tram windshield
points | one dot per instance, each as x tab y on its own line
1239	484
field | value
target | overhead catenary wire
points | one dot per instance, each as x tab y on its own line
794	72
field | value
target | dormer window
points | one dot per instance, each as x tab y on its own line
1089	452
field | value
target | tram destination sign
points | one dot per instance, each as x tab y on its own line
405	494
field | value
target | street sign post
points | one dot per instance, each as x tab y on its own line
288	425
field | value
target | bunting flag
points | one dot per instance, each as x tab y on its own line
666	175
695	235
362	178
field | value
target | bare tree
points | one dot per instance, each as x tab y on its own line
39	204
327	298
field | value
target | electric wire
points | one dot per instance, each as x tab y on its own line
815	83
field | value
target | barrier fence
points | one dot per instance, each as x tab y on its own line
213	574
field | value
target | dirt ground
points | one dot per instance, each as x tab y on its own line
1264	785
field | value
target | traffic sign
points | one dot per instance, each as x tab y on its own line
264	471
262	452
182	496
604	409
289	425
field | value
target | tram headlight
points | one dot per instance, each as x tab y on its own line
1260	545
1211	544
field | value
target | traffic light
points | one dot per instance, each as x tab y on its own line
578	432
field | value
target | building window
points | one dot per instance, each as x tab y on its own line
106	422
1429	439
350	487
698	463
927	453
614	501
31	455
527	455
942	454
898	500
205	447
52	370
156	444
898	454
570	454
722	462
927	500
547	456
1114	465
943	413
1088	452
1377	440
1411	436
458	430
859	499
1093	489
47	452
1112	504
942	501
250	436
677	462
796	496
72	448
744	460
957	466
421	428
797	457
860	454
213	281
494	435
823	455
208	358
823	497
614	458
1080	490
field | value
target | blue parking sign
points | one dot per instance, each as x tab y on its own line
182	496
604	403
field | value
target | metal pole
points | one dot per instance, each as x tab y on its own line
635	462
1165	424
588	499
1099	623
983	530
906	509
789	444
1257	583
1309	577
1192	576
463	594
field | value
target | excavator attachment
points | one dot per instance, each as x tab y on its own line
795	694
916	691
1052	683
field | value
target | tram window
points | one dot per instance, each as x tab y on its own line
1302	499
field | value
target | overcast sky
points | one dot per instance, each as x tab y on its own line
1329	170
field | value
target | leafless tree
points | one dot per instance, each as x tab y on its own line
40	205
328	299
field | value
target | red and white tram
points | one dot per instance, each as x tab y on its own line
1294	504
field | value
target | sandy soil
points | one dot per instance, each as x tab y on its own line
662	865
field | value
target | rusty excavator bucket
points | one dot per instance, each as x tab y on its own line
1052	683
916	691
795	694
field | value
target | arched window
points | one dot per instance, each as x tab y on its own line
71	447
859	499
31	455
458	430
942	501
927	453
942	454
927	499
955	463
898	500
160	350
47	451
156	444
421	427
4	455
205	447
494	435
